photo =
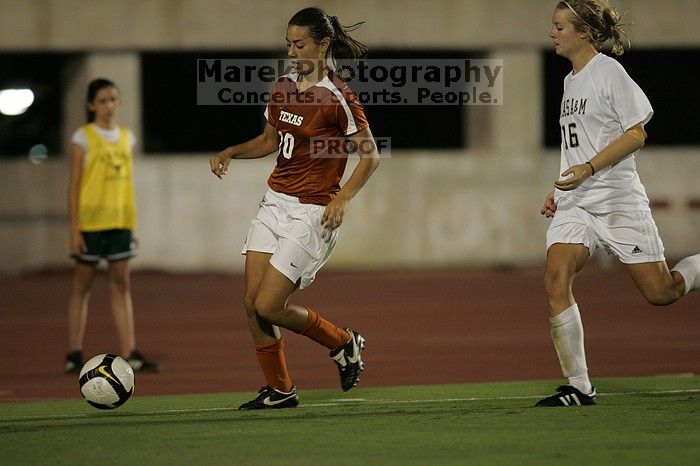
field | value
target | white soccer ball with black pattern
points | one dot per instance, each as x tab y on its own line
106	381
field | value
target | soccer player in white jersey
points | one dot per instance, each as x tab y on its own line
599	200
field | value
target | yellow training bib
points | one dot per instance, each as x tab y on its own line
107	188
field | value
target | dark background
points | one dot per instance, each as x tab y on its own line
174	123
171	109
663	76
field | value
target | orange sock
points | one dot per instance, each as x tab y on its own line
324	332
274	365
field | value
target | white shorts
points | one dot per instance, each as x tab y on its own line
293	234
631	236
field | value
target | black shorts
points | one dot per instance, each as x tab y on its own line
112	245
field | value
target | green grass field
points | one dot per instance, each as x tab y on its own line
638	421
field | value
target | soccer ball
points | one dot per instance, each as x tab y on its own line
106	381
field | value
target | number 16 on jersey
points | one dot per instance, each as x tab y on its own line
571	140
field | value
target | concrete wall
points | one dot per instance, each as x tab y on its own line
192	24
420	209
478	207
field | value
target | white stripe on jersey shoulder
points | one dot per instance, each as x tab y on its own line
328	84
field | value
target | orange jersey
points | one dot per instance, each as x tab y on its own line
305	169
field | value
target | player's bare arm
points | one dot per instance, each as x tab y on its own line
630	141
260	146
369	161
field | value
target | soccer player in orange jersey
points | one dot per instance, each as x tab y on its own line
297	224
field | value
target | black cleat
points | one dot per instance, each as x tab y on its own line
140	364
349	361
271	398
74	362
568	396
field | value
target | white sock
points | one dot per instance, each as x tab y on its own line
689	268
567	335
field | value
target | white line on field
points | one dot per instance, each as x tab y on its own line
343	401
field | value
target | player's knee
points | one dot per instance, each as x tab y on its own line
661	293
81	285
82	288
660	300
661	297
267	309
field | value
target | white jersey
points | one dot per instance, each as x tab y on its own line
600	103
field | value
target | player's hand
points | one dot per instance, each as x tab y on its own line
219	164
77	245
549	207
574	177
333	215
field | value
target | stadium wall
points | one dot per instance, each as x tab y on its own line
477	207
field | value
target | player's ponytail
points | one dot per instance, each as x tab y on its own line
342	46
92	90
610	19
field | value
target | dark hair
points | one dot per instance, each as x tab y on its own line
92	90
343	47
600	19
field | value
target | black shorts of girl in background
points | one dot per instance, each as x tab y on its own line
111	245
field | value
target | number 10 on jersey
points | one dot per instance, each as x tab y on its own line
286	145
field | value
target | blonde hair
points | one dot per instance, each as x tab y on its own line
600	19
